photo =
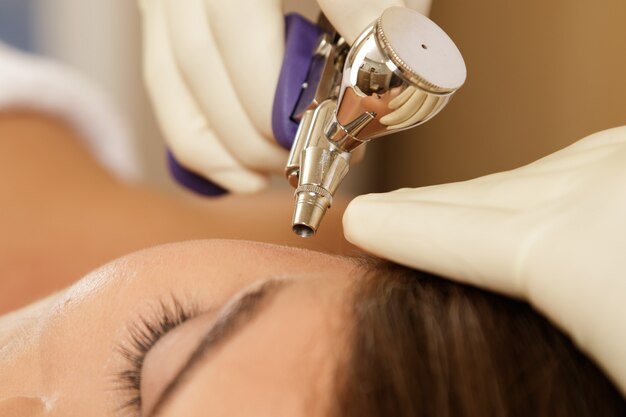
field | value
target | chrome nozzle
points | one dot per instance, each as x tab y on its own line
401	71
323	170
309	211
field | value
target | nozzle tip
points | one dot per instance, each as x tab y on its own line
309	212
303	230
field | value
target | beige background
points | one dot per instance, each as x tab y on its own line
541	74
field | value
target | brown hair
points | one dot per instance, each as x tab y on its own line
424	346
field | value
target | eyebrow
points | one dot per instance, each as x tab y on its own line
241	312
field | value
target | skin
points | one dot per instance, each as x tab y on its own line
59	357
52	191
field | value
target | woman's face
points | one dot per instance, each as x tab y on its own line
264	336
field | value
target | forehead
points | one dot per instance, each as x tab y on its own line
282	364
211	269
98	309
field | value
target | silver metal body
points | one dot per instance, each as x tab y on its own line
401	71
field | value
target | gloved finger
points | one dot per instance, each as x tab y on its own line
189	136
564	256
350	17
503	191
404	111
251	39
420	114
472	244
413	111
466	230
588	150
402	98
208	80
530	187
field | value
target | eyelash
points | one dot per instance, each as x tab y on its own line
143	334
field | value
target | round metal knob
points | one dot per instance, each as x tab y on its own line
422	51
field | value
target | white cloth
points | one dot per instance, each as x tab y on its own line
29	82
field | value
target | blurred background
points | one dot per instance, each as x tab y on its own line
541	75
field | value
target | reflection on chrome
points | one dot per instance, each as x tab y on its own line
401	71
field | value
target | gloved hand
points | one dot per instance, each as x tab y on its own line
211	68
552	233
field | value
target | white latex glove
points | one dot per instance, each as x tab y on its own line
552	233
211	68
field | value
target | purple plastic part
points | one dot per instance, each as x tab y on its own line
301	37
191	180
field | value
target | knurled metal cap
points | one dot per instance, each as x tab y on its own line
421	50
